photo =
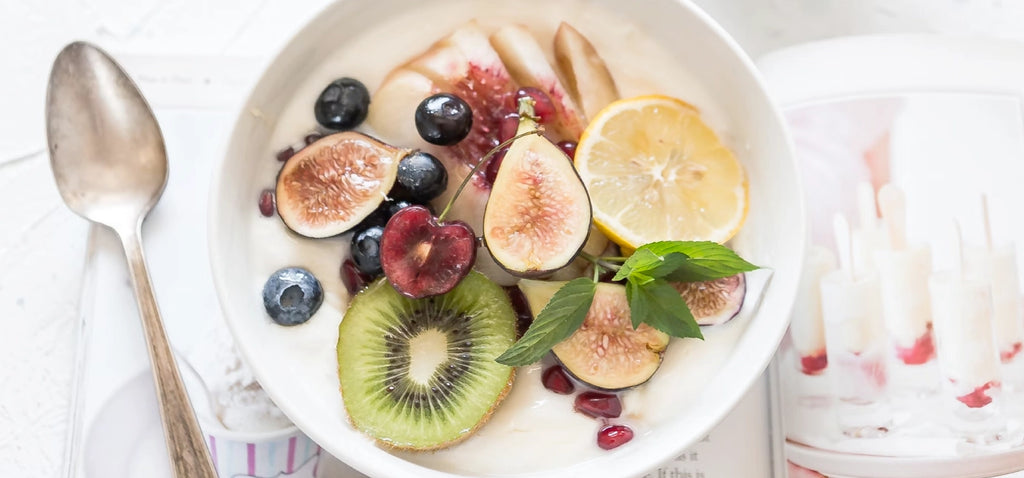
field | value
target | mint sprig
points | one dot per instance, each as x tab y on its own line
658	304
652	299
563	314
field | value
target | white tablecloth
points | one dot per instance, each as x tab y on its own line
198	53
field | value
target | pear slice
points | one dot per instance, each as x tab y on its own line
526	62
586	76
538	216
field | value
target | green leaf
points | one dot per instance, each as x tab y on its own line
648	264
705	260
563	314
659	305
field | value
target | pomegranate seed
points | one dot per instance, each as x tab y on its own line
285	153
568	147
543	108
524	317
598	405
312	138
491	168
613	436
353	279
556	380
267	203
508	127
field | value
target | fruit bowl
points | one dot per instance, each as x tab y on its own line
698	383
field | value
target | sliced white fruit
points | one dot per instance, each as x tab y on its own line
526	62
394	106
586	76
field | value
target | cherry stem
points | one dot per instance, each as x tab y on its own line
603	261
472	172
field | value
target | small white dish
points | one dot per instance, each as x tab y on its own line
126	439
297	365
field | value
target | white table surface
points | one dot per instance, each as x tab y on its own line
205	53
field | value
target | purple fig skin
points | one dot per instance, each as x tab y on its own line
726	308
661	357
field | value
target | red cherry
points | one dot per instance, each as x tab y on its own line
556	380
613	436
422	258
598	405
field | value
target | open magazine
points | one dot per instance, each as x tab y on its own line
903	354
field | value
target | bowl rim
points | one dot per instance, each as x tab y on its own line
754	365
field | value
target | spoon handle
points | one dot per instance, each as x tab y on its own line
185	443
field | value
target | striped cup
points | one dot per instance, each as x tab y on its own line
280	453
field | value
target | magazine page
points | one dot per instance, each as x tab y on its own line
903	355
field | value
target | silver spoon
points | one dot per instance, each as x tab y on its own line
109	161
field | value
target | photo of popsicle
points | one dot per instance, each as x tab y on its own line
968	359
903	271
807	327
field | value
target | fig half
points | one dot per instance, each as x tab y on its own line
606	352
331	185
538	215
716	301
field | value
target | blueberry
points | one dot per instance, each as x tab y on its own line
292	295
342	105
365	250
395	206
421	177
443	119
379	217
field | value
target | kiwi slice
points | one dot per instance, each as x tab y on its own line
419	374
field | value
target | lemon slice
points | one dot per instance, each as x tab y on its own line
656	172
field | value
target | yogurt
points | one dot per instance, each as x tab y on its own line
531	420
968	358
807	328
852	309
998	267
906	304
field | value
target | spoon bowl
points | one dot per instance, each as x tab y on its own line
106	148
110	164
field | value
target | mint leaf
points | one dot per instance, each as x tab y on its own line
563	314
705	260
648	264
659	305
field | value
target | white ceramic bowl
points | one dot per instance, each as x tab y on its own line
297	366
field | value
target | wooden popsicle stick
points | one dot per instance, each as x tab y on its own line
988	221
844	246
893	204
958	251
866	207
